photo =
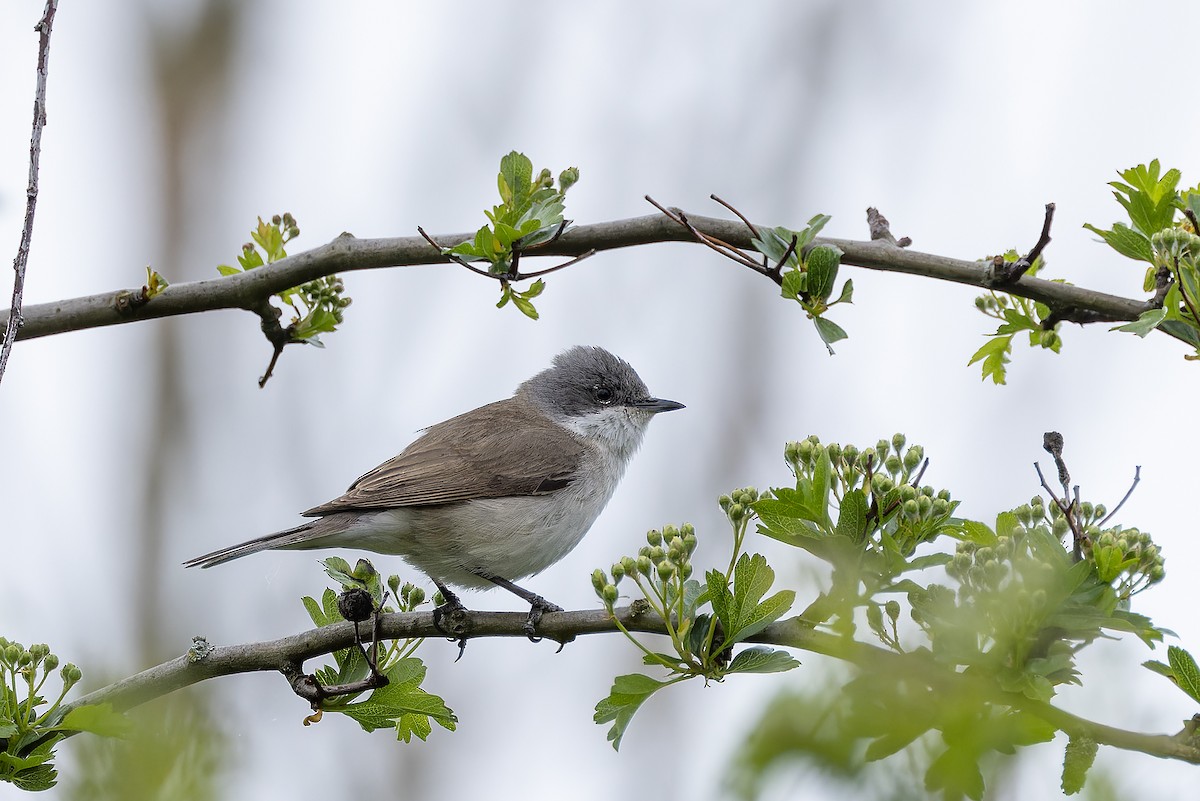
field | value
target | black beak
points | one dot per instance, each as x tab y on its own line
656	405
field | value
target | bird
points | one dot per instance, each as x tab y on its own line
496	494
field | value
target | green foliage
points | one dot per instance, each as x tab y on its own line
975	636
1182	670
702	638
1016	314
530	214
176	750
30	727
401	704
318	306
1161	232
808	273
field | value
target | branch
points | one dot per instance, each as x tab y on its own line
14	320
284	655
346	253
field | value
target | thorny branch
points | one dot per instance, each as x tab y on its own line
15	320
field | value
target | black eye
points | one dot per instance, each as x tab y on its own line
602	394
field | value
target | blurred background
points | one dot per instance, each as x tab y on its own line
173	124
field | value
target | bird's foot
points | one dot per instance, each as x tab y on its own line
451	619
537	606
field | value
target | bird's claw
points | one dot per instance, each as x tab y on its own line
537	607
451	619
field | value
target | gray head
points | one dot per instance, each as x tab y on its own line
596	394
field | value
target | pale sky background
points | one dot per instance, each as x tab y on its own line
959	121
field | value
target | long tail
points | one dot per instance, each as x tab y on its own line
299	537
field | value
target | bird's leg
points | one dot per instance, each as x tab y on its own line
537	604
453	614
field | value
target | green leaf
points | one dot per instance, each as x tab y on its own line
977	532
794	284
956	772
402	704
525	306
994	355
1081	753
1126	241
847	293
821	263
628	693
225	269
829	331
761	660
746	615
98	719
516	174
1146	322
1187	675
852	516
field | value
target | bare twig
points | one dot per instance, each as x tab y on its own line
1009	272
455	258
15	319
1137	476
739	215
557	267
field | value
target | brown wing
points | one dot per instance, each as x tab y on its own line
469	456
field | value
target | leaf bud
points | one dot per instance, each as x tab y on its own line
629	565
657	553
908	493
568	178
598	580
940	507
669	533
1060	525
898	441
1156	573
609	594
943	495
724	502
892	464
50	662
850	454
666	569
644	565
393	583
654	536
892	608
416	596
911	509
24	658
1101	510
924	504
1086	509
618	572
689	542
70	675
913	457
686	571
835	452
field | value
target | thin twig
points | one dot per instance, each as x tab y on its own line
15	319
777	270
557	267
1137	476
1044	239
1011	272
739	215
453	257
724	248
